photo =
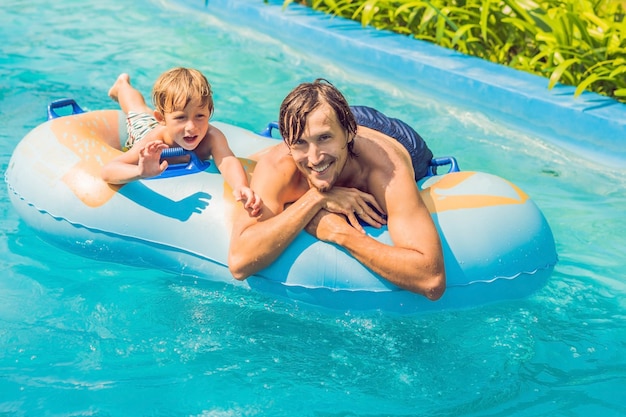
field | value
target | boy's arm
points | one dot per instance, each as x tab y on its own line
227	163
231	169
141	161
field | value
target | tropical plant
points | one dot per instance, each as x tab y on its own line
574	42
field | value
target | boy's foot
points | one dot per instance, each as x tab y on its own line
122	79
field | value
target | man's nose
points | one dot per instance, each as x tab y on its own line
315	155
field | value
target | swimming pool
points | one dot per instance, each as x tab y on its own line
79	337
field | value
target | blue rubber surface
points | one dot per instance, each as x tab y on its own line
591	125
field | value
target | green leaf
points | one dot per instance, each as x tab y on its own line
558	71
583	86
461	32
617	71
519	10
484	18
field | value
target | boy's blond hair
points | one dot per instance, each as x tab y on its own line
175	88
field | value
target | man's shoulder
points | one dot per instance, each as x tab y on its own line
376	146
275	154
276	171
379	142
383	158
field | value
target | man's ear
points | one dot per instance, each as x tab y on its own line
159	117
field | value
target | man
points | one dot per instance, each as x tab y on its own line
328	172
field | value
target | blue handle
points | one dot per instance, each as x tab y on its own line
441	161
267	132
178	151
194	165
64	102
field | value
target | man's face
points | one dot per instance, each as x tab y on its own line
321	153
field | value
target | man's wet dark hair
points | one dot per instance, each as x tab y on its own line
307	97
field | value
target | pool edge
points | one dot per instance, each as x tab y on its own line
594	125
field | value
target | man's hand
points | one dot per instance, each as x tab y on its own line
353	203
326	224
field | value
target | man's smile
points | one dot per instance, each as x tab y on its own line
321	168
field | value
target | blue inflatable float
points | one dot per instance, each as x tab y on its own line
497	243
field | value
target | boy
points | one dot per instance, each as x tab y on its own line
183	106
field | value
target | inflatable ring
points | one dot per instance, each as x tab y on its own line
497	244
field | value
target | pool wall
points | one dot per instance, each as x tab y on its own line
590	125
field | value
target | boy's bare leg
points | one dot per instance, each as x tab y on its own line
129	98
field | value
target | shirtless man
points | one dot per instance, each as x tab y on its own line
331	170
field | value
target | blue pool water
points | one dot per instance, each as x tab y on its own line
86	338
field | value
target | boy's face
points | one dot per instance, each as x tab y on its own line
186	128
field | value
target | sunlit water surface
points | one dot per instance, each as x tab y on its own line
86	338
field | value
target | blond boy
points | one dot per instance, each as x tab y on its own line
183	106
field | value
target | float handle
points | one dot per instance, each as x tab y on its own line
441	161
267	132
64	102
194	165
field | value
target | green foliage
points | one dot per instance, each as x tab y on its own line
574	42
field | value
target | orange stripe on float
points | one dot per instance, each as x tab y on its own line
86	136
439	202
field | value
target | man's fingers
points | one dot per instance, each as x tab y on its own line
372	218
370	215
372	203
354	222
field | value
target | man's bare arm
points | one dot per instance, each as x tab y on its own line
415	261
288	206
256	241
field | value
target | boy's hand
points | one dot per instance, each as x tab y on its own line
150	164
251	201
